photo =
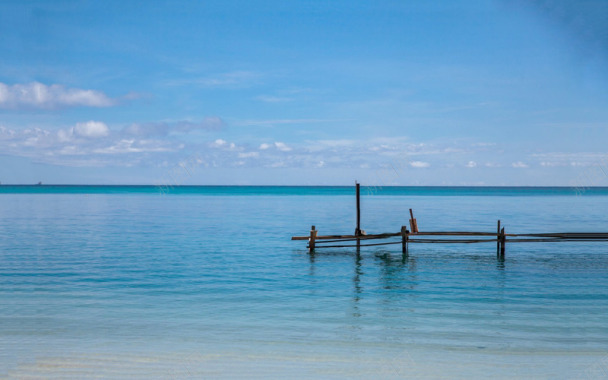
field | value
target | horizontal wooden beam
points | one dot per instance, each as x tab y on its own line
362	237
587	236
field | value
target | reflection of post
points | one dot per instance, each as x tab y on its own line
357	278
503	240
498	240
404	239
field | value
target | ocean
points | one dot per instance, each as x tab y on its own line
205	282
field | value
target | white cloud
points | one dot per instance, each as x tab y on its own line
39	95
133	146
91	129
65	134
577	163
334	143
230	79
419	164
272	99
282	146
6	133
85	144
94	143
224	145
147	129
249	155
212	123
271	123
571	163
552	164
563	159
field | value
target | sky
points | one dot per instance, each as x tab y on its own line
274	92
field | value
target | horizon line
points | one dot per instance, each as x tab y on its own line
233	185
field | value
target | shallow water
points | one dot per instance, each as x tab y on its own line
208	284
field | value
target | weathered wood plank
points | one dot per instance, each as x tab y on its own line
562	235
311	241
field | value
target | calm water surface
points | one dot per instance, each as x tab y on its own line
125	282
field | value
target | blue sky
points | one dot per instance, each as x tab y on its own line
304	92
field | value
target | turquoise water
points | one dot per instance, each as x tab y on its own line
204	282
305	190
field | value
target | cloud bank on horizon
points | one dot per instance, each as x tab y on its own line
38	95
425	93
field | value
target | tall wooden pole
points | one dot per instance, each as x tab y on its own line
358	229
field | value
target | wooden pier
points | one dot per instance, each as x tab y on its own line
412	235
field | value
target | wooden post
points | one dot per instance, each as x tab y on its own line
498	240
413	223
311	240
404	239
358	229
